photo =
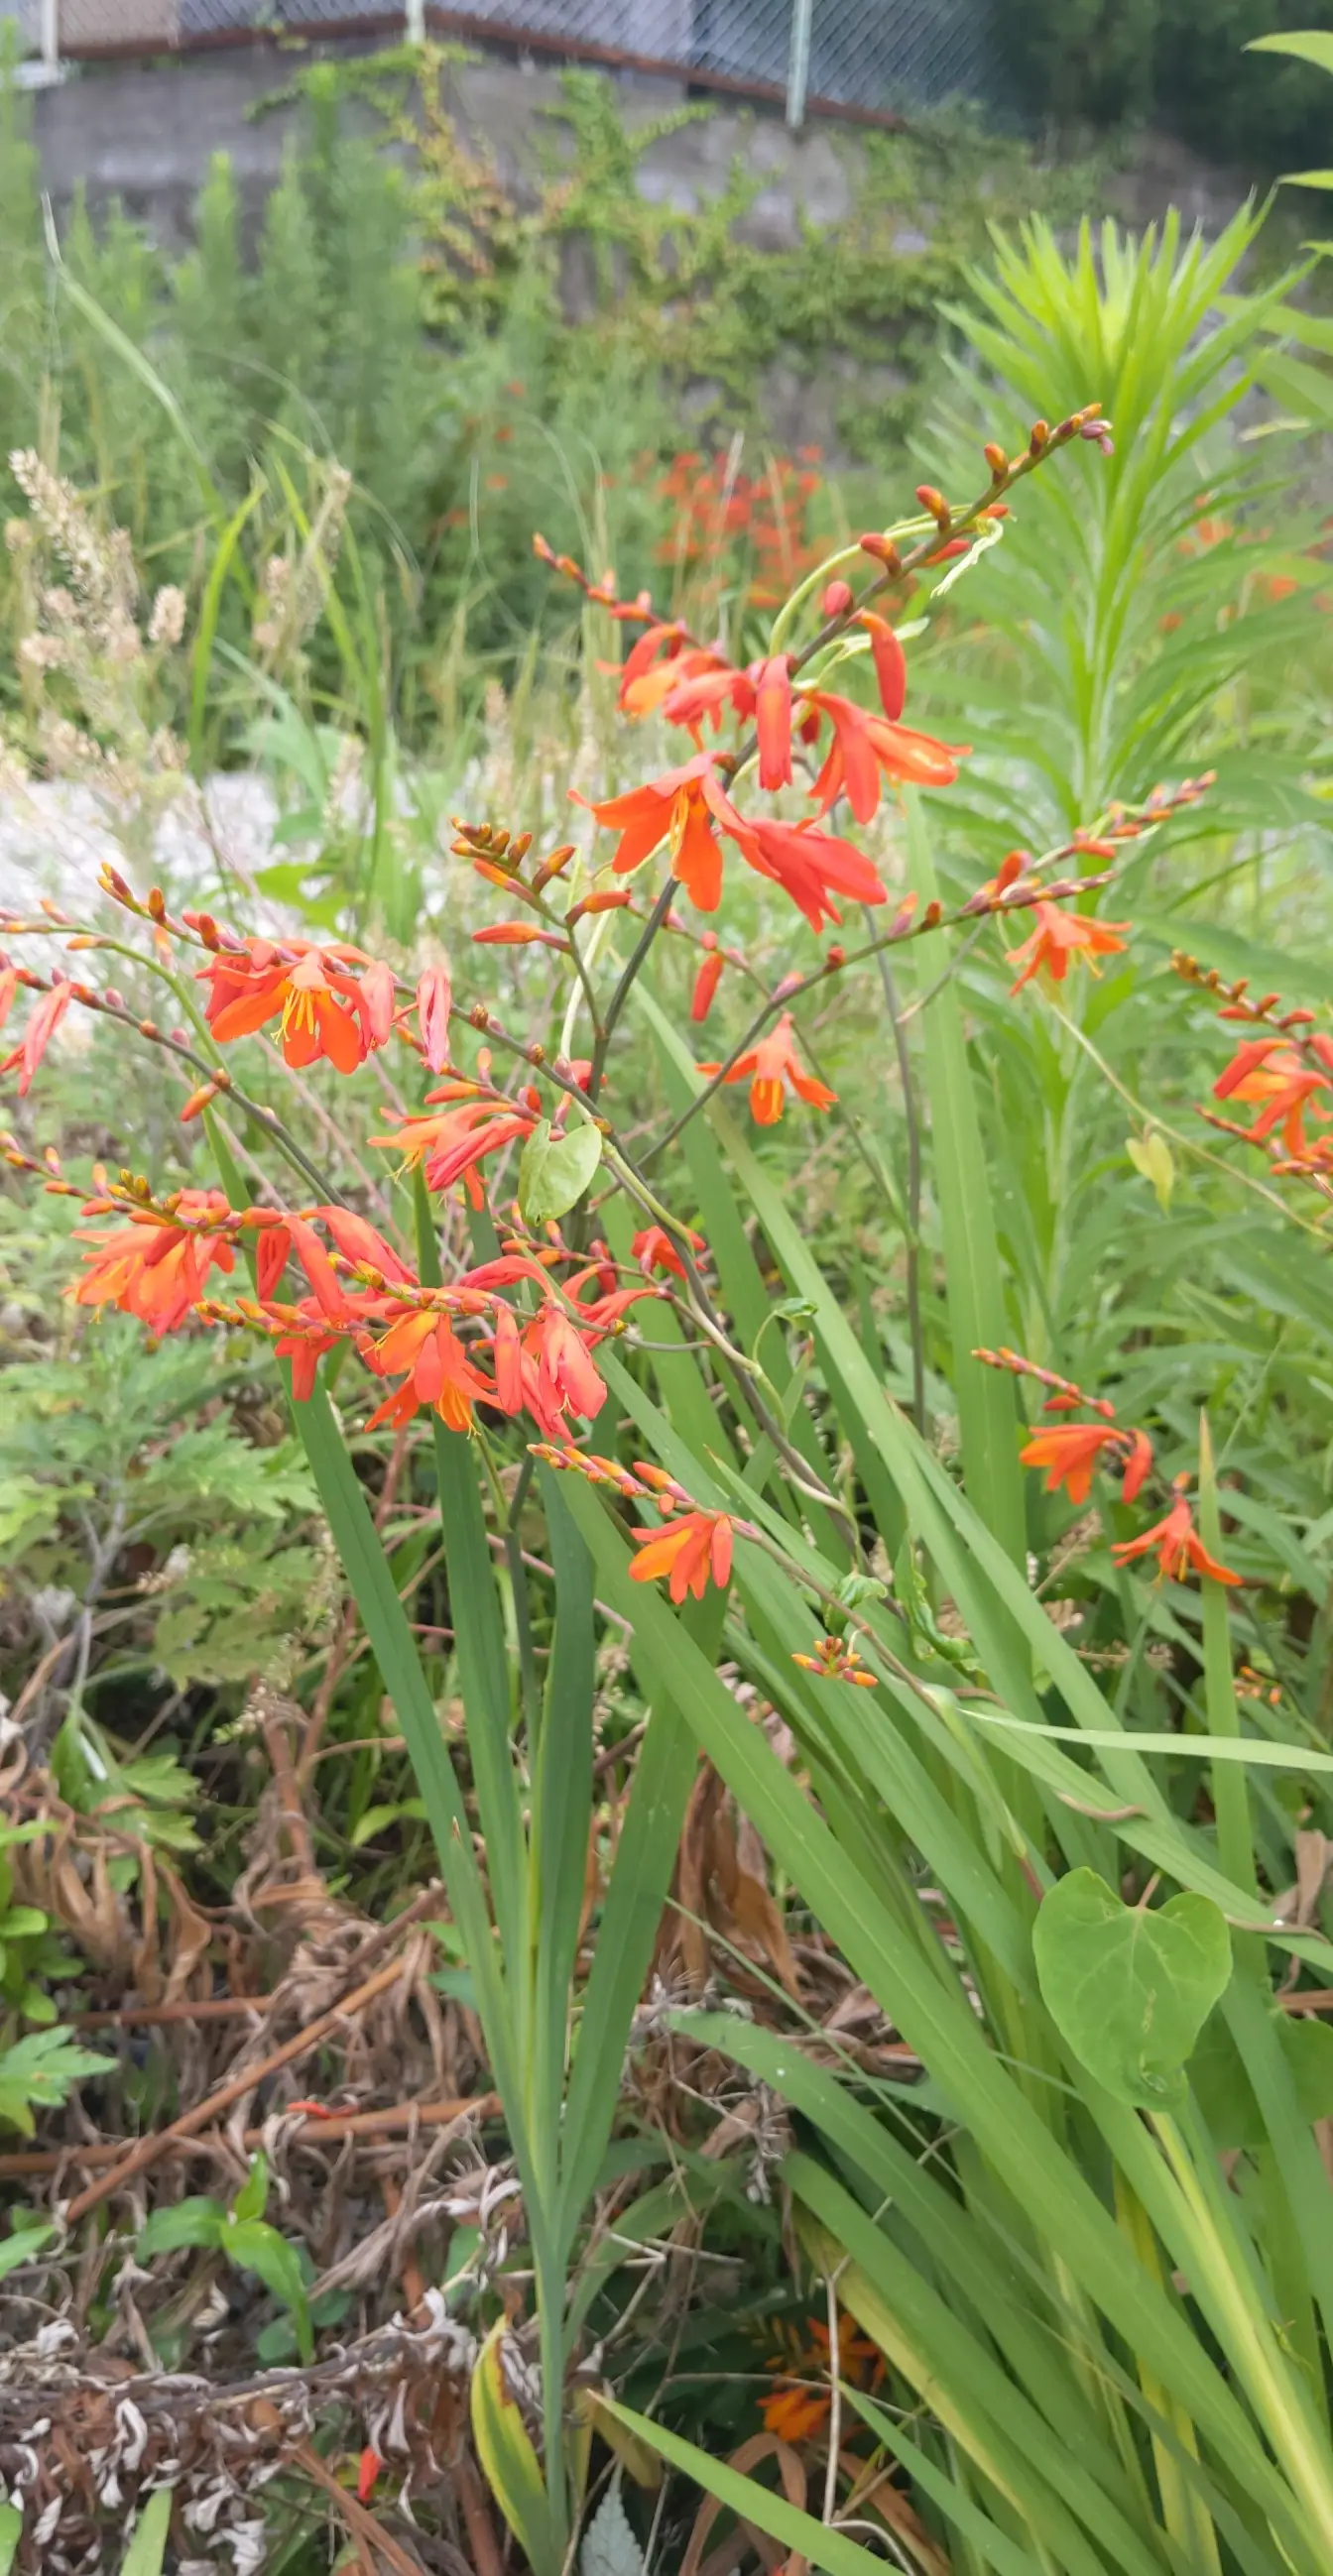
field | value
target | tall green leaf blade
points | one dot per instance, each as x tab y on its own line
799	2532
641	1875
974	1277
483	1667
561	1805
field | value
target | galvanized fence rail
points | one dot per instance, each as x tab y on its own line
871	60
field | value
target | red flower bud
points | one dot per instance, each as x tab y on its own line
837	598
603	899
707	980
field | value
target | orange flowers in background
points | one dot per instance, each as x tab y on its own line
716	511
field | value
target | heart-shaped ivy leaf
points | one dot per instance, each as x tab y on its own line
1128	1987
555	1170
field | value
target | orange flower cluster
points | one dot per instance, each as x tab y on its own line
1285	1073
692	1548
693	684
1071	1452
157	1267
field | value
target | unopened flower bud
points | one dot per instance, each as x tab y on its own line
837	598
881	550
996	459
603	899
1040	439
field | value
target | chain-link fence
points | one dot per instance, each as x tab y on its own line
866	56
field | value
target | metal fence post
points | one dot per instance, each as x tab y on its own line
49	37
798	63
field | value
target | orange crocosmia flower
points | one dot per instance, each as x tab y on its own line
439	1372
688	1550
654	1250
810	865
796	2410
43	1021
683	805
760	694
794	2413
303	1337
768	1067
559	1377
1138	1462
1058	936
358	1240
655	664
156	1269
325	1010
1070	1452
695	685
1278	1078
1178	1544
864	745
452	1144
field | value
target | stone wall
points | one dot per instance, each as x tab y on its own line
146	132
